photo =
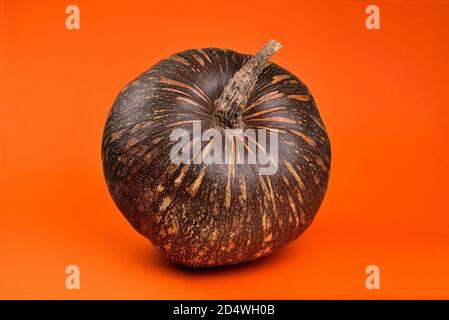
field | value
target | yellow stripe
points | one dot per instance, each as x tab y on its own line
270	129
177	91
294	174
299	97
205	55
195	90
274	119
293	207
231	172
193	189
182	174
265	98
278	78
304	137
179	59
259	113
192	103
199	59
177	123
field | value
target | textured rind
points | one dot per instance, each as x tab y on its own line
209	215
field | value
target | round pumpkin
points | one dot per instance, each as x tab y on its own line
199	214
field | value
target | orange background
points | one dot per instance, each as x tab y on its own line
381	93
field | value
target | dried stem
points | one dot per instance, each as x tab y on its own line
235	95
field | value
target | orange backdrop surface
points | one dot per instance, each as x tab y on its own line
381	93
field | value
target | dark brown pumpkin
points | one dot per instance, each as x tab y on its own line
217	214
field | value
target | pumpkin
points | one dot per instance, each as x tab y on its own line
198	214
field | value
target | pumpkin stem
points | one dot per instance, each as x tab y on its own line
233	100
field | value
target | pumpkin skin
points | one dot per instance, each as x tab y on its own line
208	215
